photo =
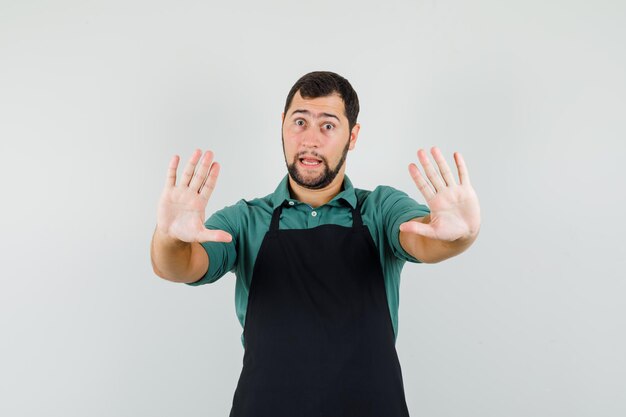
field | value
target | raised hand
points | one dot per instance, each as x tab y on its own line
181	210
454	209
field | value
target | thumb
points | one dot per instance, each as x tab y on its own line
208	235
418	229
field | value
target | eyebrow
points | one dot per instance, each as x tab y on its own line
308	113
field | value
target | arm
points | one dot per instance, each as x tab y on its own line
176	260
175	251
432	250
454	221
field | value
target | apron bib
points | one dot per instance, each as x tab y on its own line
318	335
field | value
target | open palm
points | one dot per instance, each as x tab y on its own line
454	208
181	210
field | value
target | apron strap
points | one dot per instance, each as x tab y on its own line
357	221
275	220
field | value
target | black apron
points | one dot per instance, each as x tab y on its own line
318	335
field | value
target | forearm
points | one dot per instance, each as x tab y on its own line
177	261
429	250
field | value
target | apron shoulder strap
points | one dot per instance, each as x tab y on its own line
357	221
275	219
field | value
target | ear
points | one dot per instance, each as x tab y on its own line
354	134
282	117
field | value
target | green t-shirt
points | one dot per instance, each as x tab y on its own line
382	210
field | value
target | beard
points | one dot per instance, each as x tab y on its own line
324	178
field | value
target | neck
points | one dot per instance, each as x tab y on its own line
316	198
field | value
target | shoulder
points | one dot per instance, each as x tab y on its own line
387	204
381	194
242	212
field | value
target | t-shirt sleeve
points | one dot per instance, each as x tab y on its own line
222	256
397	207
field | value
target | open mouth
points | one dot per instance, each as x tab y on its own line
310	161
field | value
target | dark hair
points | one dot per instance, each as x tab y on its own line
325	83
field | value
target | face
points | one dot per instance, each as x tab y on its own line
316	140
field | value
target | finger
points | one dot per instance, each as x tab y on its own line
170	181
200	176
460	165
190	168
208	235
211	180
444	169
421	183
418	229
431	173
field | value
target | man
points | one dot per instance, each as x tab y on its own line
317	262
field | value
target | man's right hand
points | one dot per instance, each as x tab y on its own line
181	210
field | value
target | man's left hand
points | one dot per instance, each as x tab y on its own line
454	209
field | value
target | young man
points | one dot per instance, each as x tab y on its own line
317	261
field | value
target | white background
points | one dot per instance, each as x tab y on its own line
95	97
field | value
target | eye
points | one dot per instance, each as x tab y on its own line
299	122
329	126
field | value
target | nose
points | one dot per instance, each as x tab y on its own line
311	139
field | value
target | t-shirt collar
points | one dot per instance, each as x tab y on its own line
347	194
